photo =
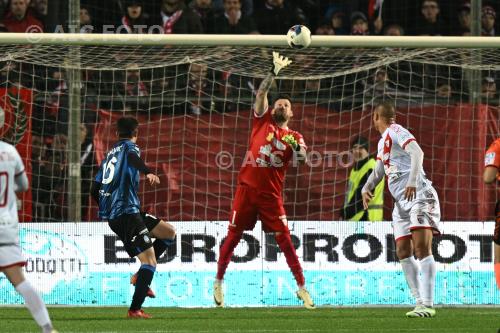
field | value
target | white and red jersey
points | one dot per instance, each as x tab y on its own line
11	166
268	156
397	162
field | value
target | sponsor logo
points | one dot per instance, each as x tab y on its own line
278	144
52	258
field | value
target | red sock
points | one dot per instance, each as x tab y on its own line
497	274
285	243
226	252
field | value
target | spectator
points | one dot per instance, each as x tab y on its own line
197	86
277	16
359	24
86	26
246	6
134	86
231	21
464	20
430	23
488	17
394	30
40	9
444	90
40	178
381	82
334	23
87	163
488	89
204	9
134	21
19	19
57	181
176	18
363	166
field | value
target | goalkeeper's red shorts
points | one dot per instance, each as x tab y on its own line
250	204
496	233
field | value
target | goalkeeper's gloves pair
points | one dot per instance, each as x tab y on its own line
290	139
279	62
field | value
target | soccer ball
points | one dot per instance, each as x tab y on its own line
299	36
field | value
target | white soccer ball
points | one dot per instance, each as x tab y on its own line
299	36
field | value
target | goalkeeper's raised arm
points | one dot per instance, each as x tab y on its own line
261	102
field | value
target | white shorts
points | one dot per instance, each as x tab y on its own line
421	213
10	255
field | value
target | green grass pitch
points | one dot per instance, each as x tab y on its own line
264	320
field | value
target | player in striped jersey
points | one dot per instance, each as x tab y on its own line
416	213
115	189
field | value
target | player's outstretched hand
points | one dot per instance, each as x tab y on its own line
410	193
367	197
153	179
279	62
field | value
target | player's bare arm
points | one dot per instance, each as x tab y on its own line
261	101
417	159
374	178
490	174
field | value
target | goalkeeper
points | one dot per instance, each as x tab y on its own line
260	182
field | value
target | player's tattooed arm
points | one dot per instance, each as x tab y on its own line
261	102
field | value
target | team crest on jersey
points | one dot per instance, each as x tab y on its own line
270	136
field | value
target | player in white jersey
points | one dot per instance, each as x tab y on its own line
416	211
13	179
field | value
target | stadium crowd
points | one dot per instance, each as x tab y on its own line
203	89
330	17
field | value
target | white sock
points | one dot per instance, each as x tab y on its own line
410	268
428	268
34	304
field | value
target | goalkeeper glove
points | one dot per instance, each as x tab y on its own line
290	139
279	62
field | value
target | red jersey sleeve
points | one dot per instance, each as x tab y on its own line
265	115
492	156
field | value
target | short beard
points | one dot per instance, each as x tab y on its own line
279	118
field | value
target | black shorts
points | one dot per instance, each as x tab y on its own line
132	231
496	233
150	221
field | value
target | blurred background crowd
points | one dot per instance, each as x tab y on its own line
196	89
325	17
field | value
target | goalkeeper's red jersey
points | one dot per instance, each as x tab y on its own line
265	162
492	157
